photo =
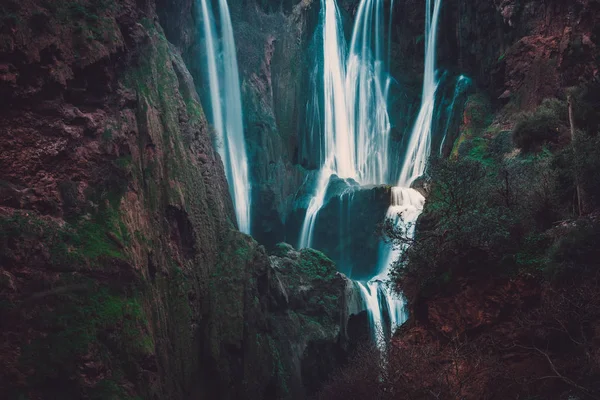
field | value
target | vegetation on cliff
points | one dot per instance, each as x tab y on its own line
121	276
502	275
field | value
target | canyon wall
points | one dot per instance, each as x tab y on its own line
122	273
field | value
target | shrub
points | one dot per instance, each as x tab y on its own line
586	161
542	126
586	106
579	164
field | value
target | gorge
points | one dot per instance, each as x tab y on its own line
299	199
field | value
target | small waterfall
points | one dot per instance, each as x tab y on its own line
405	207
226	105
353	92
419	145
370	294
367	86
314	206
406	203
338	149
462	83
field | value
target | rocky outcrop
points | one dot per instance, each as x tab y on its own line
311	308
526	51
272	42
121	272
351	214
280	323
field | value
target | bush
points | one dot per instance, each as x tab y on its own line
485	215
544	125
576	251
586	106
586	162
579	164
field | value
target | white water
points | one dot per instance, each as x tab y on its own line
354	92
406	203
370	295
224	85
355	127
419	145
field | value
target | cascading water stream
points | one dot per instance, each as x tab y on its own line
462	83
354	117
406	203
419	145
226	105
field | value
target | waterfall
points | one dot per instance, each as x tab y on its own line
419	145
406	203
370	295
226	105
367	85
350	106
353	92
462	83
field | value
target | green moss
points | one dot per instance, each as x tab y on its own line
281	249
227	287
533	254
316	265
123	162
86	241
157	85
479	151
194	109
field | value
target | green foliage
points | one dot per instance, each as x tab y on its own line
85	241
107	135
542	126
576	250
579	164
477	116
586	106
491	212
281	249
478	112
586	162
485	215
317	265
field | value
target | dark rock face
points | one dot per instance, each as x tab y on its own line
280	320
521	51
272	44
121	273
351	214
312	307
347	229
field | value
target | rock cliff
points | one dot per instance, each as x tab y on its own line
122	273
